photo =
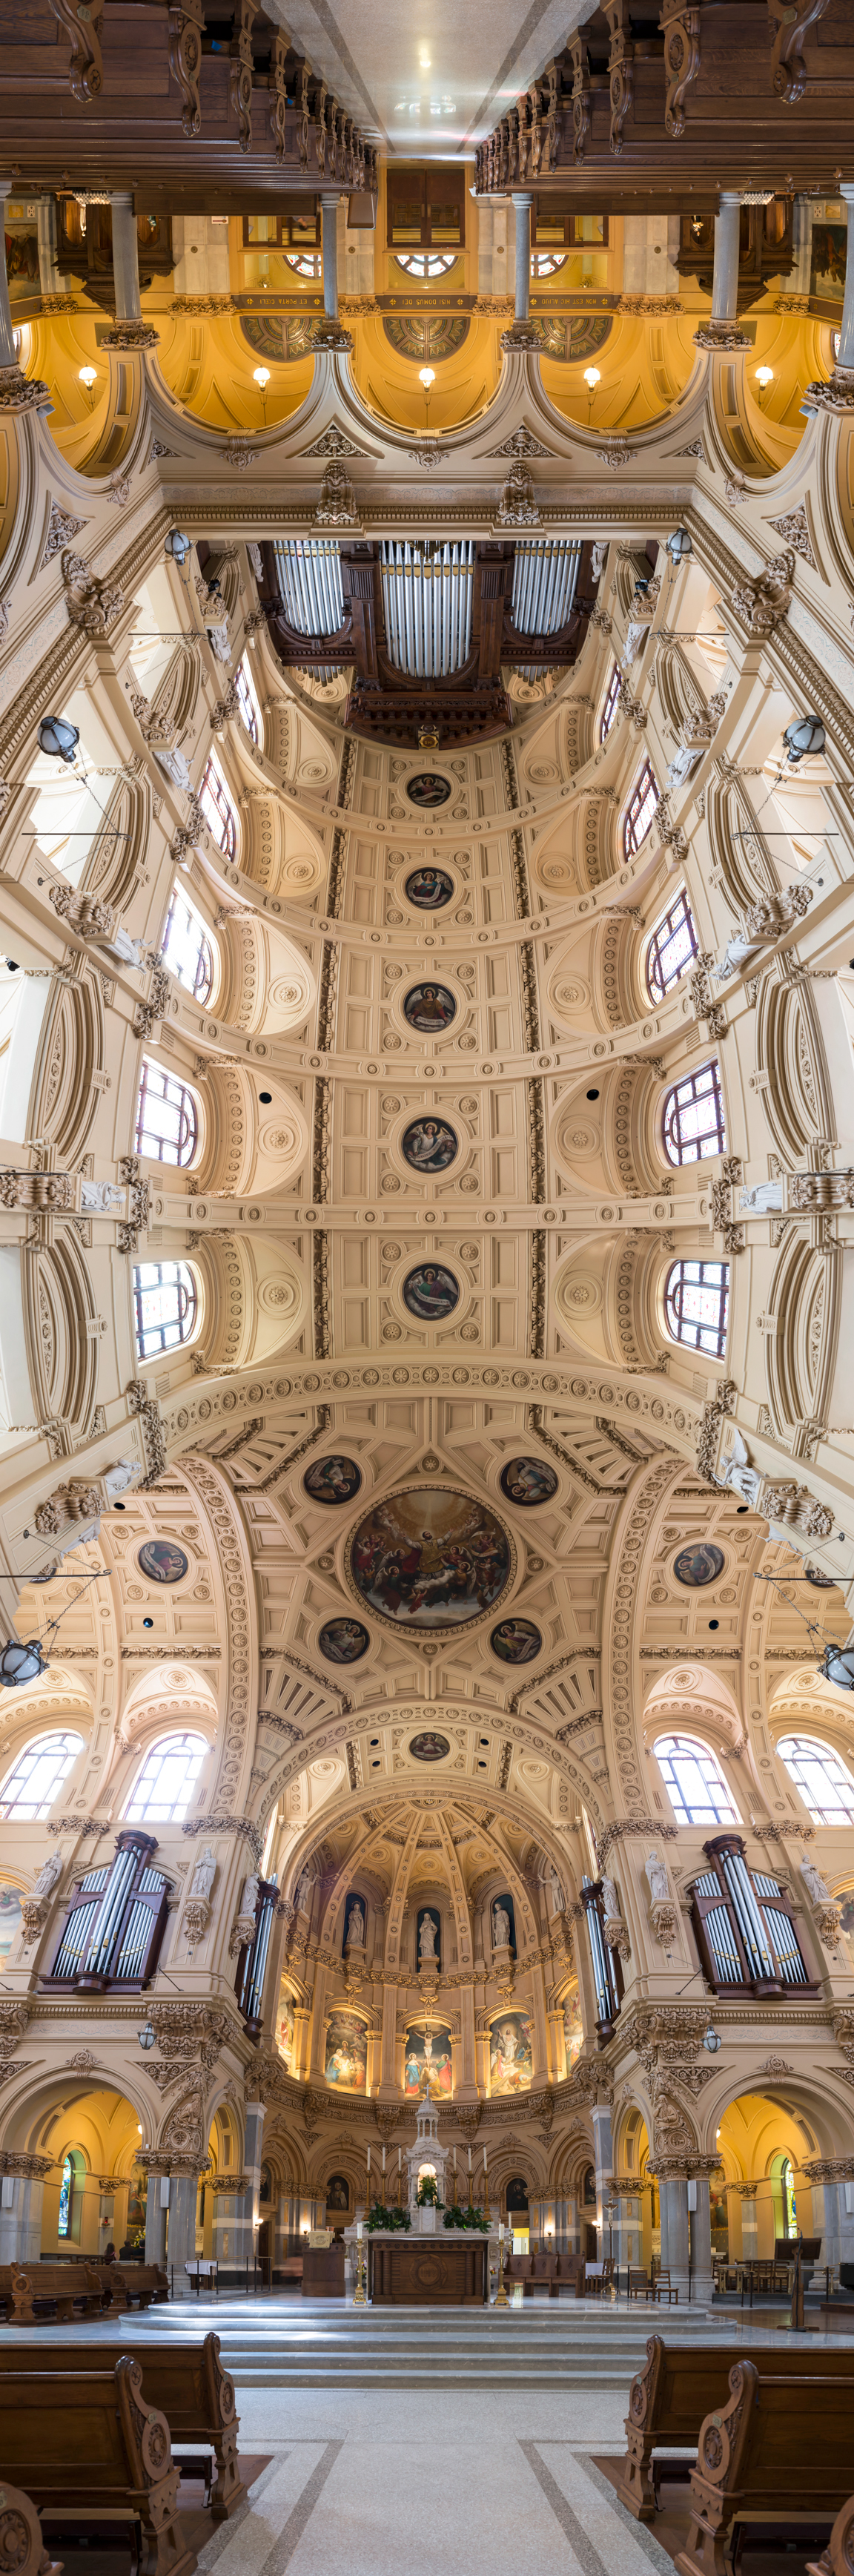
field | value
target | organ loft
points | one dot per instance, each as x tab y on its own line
426	1236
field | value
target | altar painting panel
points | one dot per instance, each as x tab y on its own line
285	2027
573	2027
428	2064
346	2053
511	2062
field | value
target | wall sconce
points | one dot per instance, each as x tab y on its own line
426	377
764	378
261	377
592	377
88	377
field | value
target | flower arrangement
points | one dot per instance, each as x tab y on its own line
428	2193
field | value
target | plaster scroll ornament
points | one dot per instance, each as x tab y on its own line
427	1939
336	507
517	507
500	1928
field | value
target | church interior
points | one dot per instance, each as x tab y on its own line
426	1229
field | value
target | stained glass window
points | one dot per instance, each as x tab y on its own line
187	949
640	810
30	1788
609	711
671	948
694	1124
166	1782
249	707
167	1122
65	2193
826	1788
695	1785
696	1298
165	1303
218	810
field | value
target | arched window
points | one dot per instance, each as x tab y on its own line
167	1120
426	263
826	1788
166	1782
696	1298
29	1789
70	2197
694	1124
187	949
305	263
218	810
671	948
545	263
248	702
640	810
609	711
165	1303
695	1785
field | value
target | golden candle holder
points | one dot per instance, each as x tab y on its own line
501	2299
359	2299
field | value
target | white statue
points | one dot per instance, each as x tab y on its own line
600	550
659	1885
356	1925
812	1877
427	1937
558	1898
249	1898
172	762
736	1471
302	1896
51	1870
500	1927
610	1901
762	1199
203	1876
101	1198
123	1473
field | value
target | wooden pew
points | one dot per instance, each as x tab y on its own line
838	2558
780	2450
185	2381
123	2282
91	2445
679	2385
49	2287
21	2545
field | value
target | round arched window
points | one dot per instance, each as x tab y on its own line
696	1299
165	1306
165	1785
826	1787
693	1117
29	1789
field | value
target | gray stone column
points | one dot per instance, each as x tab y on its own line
129	330
701	2243
155	2218
329	237
673	2195
604	2161
838	395
722	331
21	2197
523	202
248	2206
799	281
50	281
181	2240
17	391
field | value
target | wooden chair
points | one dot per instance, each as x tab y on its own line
779	2451
638	2281
663	2288
21	2543
89	2446
185	2380
594	2274
680	2384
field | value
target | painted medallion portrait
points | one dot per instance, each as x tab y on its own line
511	2063
428	1144
343	1641
528	1480
516	1641
696	1566
428	789
332	1480
346	2053
427	2065
429	1007
431	1292
429	889
162	1561
429	1747
430	1558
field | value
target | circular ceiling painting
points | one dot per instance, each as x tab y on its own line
428	788
429	1007
527	1481
162	1561
516	1641
431	1292
332	1480
429	889
698	1565
429	1748
430	1557
344	1641
428	1144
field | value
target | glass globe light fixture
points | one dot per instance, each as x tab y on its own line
679	544
261	376
178	546
426	377
21	1663
58	738
88	376
837	1665
764	378
592	376
712	2039
804	734
146	2036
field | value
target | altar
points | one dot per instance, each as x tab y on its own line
428	2271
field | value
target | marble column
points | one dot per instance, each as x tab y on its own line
540	2072
330	333
604	2162
156	2213
673	2196
701	2242
749	2221
522	334
251	2198
21	2197
722	331
129	331
17	391
181	2239
838	394
573	2223
50	281
557	2045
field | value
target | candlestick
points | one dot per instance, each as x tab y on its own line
359	2299
501	2298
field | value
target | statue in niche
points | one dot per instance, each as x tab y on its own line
356	1925
203	1876
427	1938
659	1885
558	1898
500	1927
51	1870
817	1885
249	1898
100	1198
302	1898
610	1900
